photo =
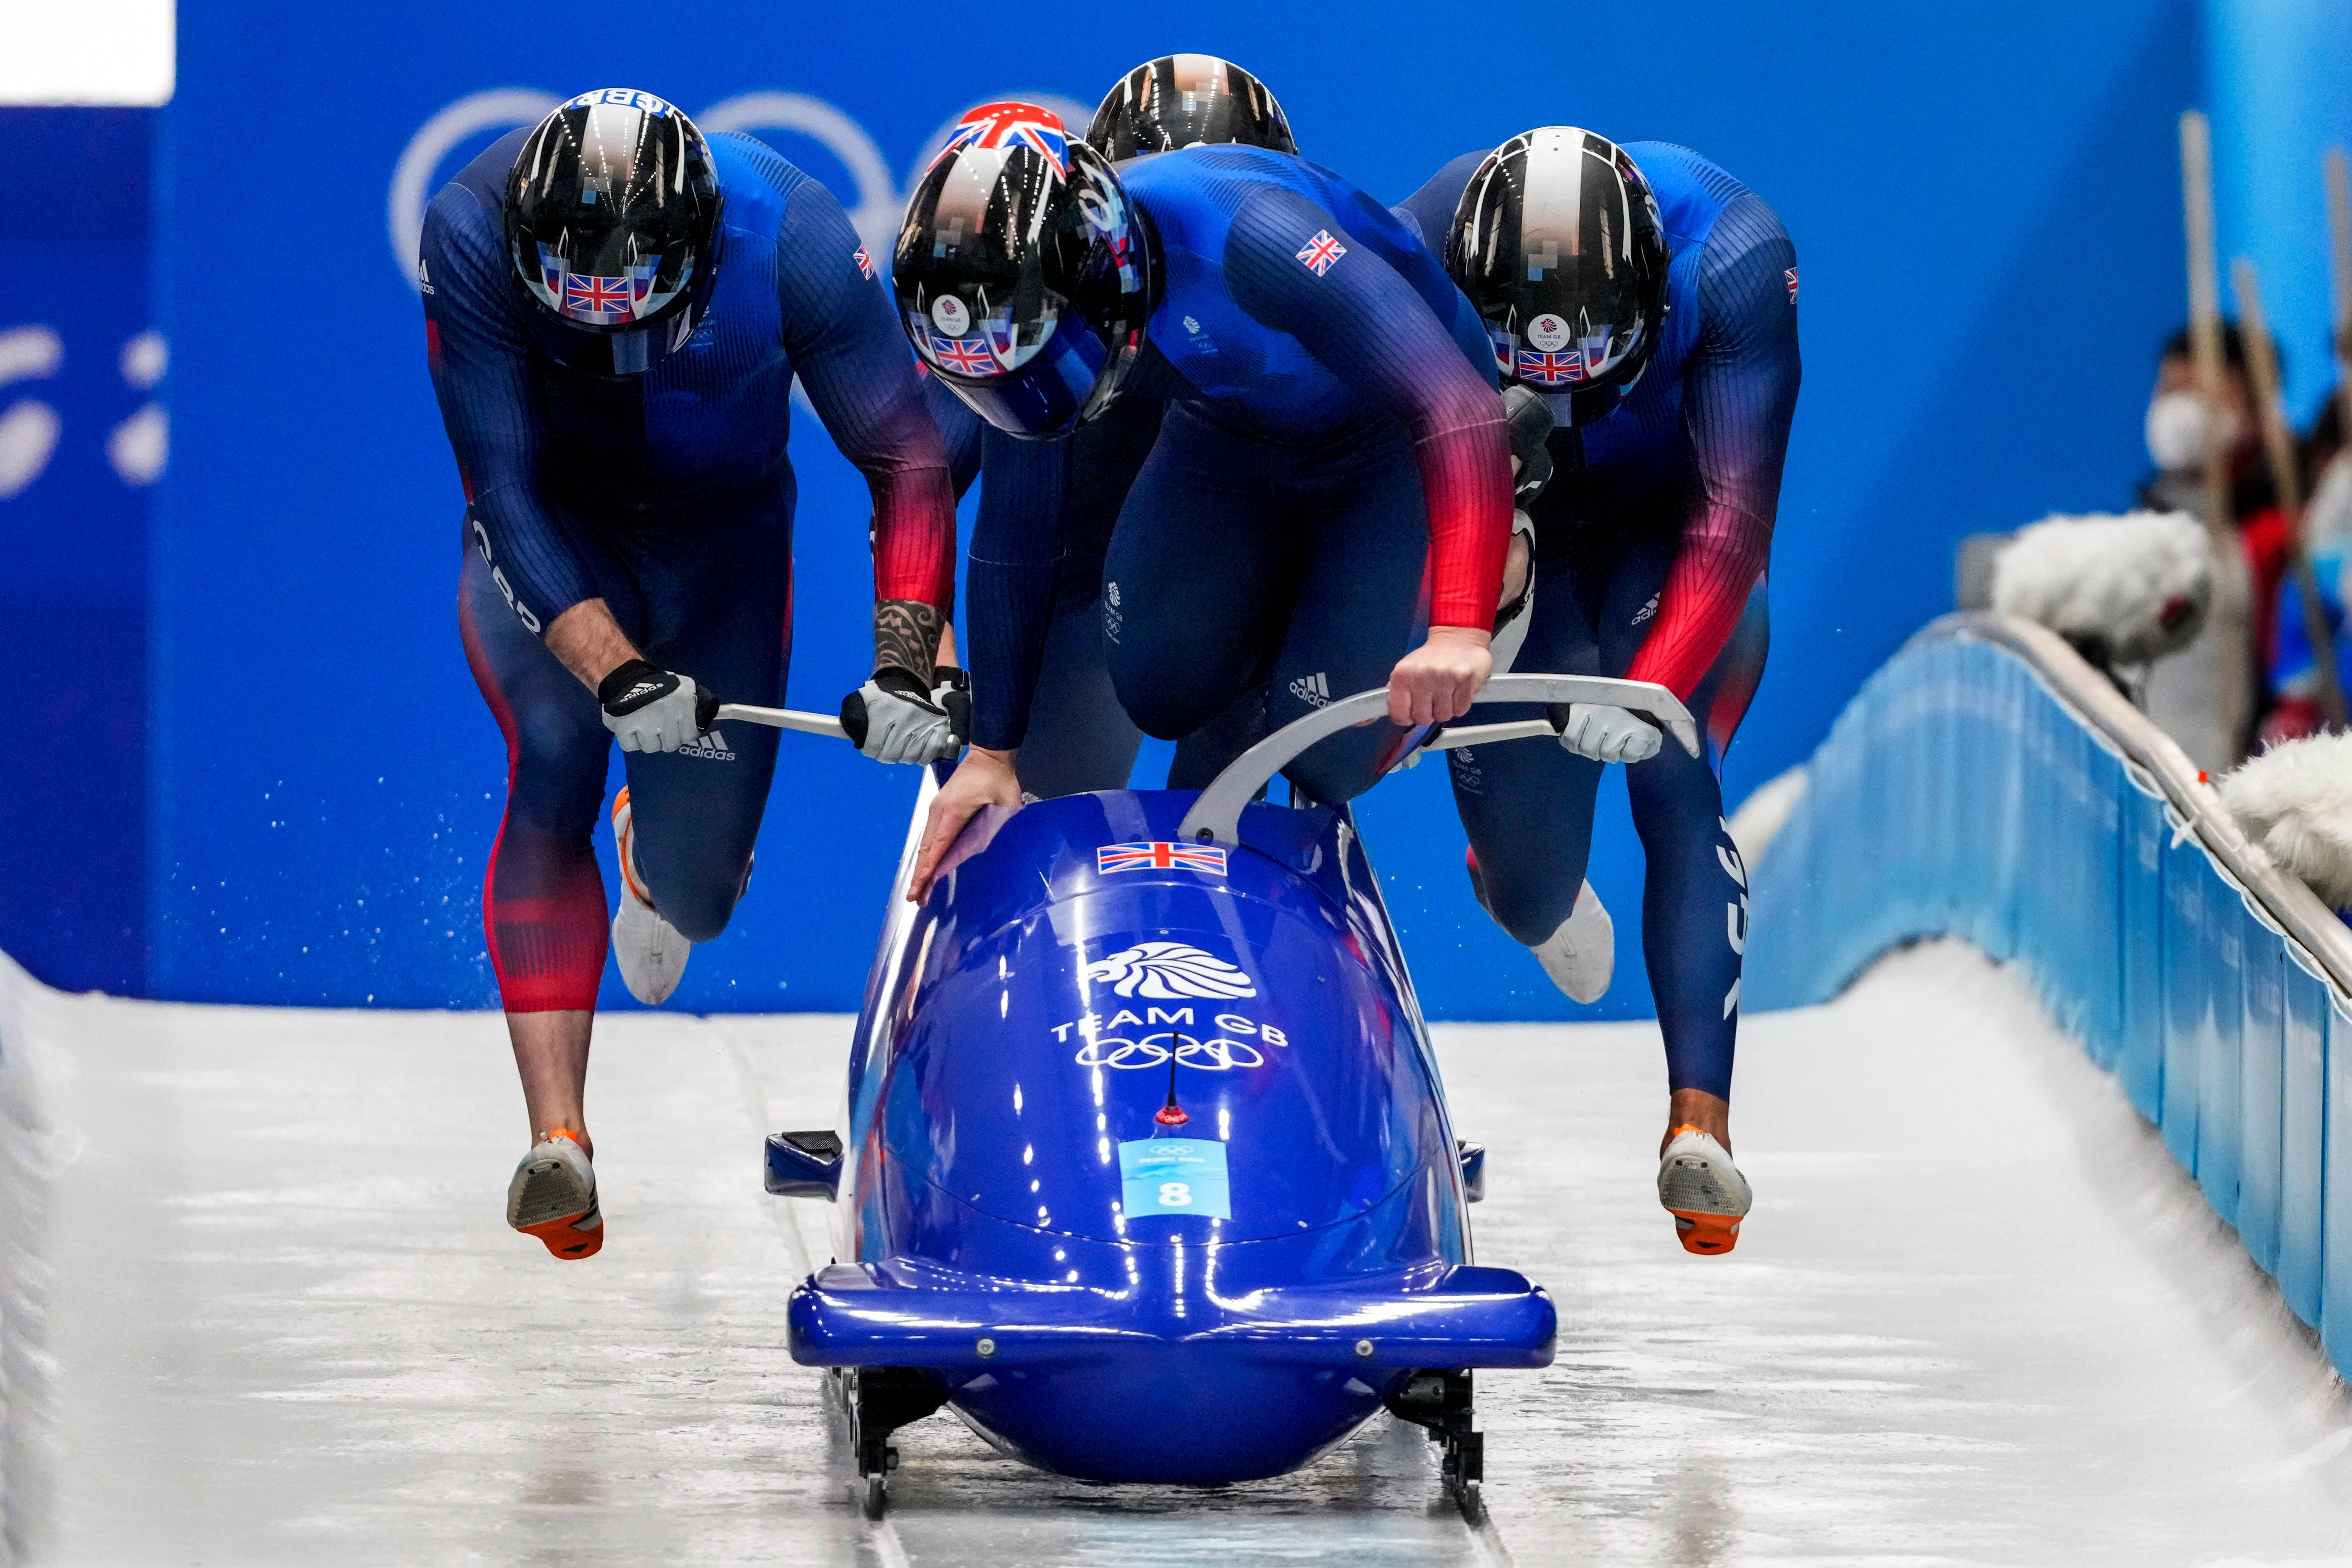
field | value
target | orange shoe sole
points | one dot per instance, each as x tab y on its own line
1708	1235
625	846
565	1241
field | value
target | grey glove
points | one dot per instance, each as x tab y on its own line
655	709
1608	734
892	719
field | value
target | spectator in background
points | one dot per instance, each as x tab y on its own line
2183	428
2327	535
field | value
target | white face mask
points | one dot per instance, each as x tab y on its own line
2183	430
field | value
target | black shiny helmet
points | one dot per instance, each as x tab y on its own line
1181	100
612	220
1023	273
1557	243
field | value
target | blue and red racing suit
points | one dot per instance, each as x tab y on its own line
1651	547
1328	475
670	496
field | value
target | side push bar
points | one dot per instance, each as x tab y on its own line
1217	815
782	718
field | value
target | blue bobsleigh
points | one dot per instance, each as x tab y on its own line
1145	1166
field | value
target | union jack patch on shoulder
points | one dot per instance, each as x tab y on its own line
864	262
1321	252
1792	285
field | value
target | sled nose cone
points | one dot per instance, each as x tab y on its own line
1084	1384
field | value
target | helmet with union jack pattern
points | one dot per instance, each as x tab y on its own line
1184	101
1023	273
1557	243
611	224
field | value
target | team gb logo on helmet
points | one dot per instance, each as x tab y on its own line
1170	971
876	203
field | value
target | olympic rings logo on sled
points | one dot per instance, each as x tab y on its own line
1217	1055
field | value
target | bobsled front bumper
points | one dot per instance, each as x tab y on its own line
1141	1386
907	1312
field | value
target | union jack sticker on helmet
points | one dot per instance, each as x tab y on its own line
965	356
1013	125
1551	370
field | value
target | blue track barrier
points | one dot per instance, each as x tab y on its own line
1987	784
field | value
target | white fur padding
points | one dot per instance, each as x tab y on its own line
2295	801
2136	586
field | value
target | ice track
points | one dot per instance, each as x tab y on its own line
1977	1317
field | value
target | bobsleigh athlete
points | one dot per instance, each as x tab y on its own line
1073	735
615	308
1331	432
1652	300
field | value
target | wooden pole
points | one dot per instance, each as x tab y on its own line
2205	299
2278	441
2339	234
2226	623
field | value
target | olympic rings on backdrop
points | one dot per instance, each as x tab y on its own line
1218	1055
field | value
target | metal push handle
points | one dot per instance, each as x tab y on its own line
1217	815
783	719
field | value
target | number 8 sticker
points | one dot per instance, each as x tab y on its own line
1174	1177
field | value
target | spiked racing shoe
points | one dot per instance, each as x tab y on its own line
1699	1186
649	950
1581	955
553	1197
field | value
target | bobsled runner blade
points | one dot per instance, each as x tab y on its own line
905	1313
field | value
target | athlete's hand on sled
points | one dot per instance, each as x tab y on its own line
986	778
894	718
655	709
1608	734
1435	682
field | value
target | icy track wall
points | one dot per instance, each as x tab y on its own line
1987	785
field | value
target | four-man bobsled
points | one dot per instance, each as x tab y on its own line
1145	1167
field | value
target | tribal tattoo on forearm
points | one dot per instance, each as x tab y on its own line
906	636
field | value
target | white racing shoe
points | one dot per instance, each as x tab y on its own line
649	950
553	1197
1581	955
1699	1186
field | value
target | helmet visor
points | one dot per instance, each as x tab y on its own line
1053	387
619	293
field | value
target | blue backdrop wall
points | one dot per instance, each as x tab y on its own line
82	435
1983	200
2279	74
